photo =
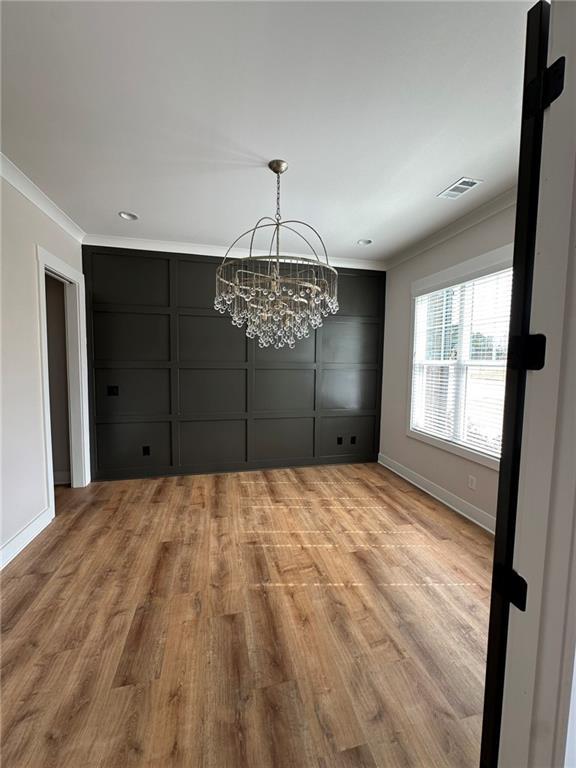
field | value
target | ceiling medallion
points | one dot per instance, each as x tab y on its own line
280	298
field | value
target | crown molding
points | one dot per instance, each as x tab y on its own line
217	251
17	179
473	218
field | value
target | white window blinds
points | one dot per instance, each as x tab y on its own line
459	362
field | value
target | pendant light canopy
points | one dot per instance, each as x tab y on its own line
279	298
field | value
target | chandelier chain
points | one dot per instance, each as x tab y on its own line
278	215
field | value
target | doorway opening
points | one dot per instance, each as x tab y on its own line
58	378
64	374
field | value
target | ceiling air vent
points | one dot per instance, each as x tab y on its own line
460	187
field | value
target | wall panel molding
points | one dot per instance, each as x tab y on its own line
176	389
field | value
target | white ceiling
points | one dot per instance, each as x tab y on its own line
172	110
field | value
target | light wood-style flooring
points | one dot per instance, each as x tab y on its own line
326	617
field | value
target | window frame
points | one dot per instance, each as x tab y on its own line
480	266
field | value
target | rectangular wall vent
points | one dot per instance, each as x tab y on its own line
460	187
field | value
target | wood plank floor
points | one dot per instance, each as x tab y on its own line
326	617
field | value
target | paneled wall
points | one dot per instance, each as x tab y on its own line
176	388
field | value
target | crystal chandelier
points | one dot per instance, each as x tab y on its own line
279	297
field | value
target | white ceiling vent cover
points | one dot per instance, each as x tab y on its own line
460	187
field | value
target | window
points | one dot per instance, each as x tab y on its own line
459	363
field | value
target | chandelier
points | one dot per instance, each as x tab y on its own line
279	298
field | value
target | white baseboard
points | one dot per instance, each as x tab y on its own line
463	507
61	477
16	544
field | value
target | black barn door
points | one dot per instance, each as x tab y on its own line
526	352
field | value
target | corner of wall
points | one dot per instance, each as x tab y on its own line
24	536
463	507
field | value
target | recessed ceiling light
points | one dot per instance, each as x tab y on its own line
364	241
127	216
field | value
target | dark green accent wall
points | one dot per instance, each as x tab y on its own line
176	389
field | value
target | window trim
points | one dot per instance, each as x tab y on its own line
486	264
472	269
466	453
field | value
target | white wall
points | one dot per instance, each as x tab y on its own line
441	473
24	492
